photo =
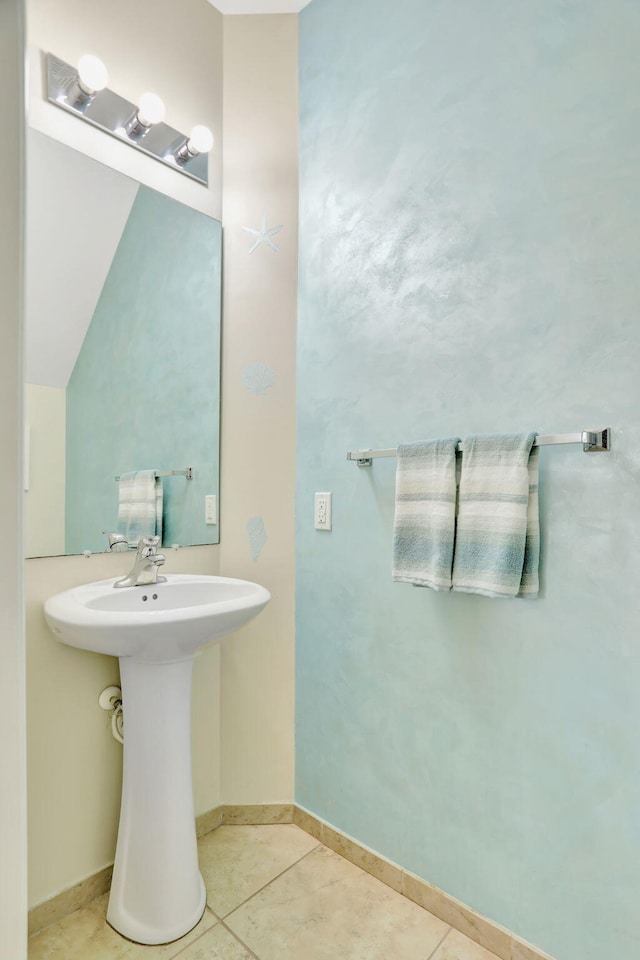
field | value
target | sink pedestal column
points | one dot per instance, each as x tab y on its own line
157	893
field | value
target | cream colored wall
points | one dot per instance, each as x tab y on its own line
74	766
44	506
244	728
173	49
258	430
13	881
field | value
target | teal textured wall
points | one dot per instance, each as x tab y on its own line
469	249
144	392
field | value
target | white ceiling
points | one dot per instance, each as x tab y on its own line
259	6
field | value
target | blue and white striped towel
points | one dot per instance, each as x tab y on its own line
498	534
425	514
140	505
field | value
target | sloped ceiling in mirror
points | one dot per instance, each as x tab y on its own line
61	302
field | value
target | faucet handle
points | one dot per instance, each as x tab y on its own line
117	541
147	546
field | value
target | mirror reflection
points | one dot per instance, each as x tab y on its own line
122	360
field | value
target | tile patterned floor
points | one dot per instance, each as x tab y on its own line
274	893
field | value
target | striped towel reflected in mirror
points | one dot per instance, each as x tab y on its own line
140	505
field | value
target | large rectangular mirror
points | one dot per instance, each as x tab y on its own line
123	296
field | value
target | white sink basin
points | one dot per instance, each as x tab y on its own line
156	623
157	893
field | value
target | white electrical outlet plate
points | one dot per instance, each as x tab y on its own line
210	509
322	516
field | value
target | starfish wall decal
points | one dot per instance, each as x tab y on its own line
264	235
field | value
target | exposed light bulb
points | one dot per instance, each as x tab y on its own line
151	109
150	112
200	140
92	74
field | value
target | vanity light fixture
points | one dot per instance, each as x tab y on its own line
139	125
200	140
150	112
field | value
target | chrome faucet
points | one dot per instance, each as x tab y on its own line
117	542
145	568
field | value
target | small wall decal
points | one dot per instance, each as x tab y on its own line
258	377
264	235
257	536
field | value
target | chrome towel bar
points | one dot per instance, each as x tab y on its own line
188	473
593	441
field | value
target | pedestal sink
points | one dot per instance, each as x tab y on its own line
157	893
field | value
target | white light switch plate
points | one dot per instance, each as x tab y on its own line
210	511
